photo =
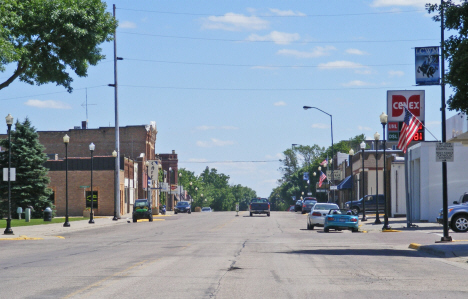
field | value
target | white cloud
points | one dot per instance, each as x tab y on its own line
277	156
280	103
355	52
279	38
214	142
287	13
356	83
396	73
127	25
320	126
316	52
235	22
361	128
419	3
47	104
341	65
229	128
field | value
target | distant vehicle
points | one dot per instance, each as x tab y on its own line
142	210
371	204
298	206
308	204
339	219
317	216
457	217
290	209
183	207
259	206
206	209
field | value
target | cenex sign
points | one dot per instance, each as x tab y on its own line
396	101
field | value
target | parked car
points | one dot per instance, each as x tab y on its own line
183	207
339	219
317	216
457	217
259	206
298	206
142	210
308	204
291	208
206	209
463	199
371	204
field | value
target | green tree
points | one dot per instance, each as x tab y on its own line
456	49
28	157
47	38
309	153
290	164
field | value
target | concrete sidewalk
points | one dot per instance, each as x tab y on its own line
457	248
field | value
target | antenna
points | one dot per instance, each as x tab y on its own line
85	104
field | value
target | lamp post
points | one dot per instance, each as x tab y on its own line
383	121
148	186
66	140
170	187
114	154
363	146
180	190
377	216
331	127
314	174
91	215
9	122
351	154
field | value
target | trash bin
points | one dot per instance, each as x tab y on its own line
47	214
27	215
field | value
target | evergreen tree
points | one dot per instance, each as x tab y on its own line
28	157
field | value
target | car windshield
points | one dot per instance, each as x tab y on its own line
141	203
325	207
309	202
206	209
182	204
339	212
259	200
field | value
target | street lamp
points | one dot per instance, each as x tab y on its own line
314	174
91	215
363	146
170	187
9	122
377	216
383	121
180	191
114	154
331	127
351	154
66	140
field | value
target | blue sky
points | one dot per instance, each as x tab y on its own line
226	80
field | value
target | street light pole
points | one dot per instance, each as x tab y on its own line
114	154
91	215
180	191
383	121
363	146
66	140
170	187
351	154
377	216
9	122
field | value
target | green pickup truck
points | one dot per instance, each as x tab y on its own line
142	210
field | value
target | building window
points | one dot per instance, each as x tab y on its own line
52	196
95	199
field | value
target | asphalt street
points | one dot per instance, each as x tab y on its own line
221	255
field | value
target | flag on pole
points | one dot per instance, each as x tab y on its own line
322	178
410	127
324	162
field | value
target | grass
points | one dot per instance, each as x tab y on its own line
22	222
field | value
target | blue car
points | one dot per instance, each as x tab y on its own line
339	219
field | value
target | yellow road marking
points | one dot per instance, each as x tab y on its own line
20	238
414	246
146	220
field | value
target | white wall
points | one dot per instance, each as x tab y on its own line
426	196
397	188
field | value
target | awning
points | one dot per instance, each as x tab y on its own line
347	183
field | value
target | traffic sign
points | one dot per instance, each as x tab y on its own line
444	152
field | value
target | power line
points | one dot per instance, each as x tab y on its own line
277	41
46	94
211	162
294	15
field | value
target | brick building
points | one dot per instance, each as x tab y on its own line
170	161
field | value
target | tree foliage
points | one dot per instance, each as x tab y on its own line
27	156
47	38
456	50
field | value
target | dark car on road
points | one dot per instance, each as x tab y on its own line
307	204
142	210
371	204
298	206
259	206
183	207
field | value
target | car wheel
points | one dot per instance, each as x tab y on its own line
134	219
460	223
251	214
326	230
355	210
175	212
355	230
312	227
268	214
190	212
308	225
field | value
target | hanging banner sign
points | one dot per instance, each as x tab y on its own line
306	176
153	170
427	66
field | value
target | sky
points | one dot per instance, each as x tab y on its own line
225	81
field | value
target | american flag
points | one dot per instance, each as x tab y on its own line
322	178
324	162
410	127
